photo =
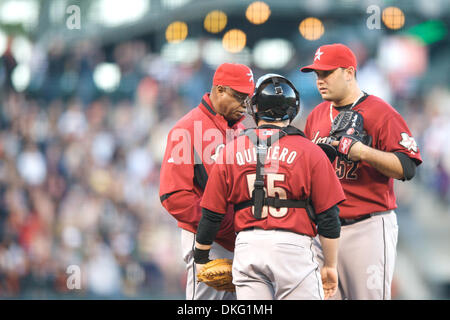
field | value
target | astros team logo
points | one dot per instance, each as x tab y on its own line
318	54
408	142
250	74
216	153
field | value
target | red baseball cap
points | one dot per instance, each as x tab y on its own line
330	57
236	76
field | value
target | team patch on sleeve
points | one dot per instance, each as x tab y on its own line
408	142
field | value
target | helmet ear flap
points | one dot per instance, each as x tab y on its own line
252	106
253	100
291	112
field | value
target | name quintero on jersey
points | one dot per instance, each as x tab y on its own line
273	153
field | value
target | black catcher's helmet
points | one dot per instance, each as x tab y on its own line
275	99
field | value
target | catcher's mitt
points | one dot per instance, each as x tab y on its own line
348	128
217	274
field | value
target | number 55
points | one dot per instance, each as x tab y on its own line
272	192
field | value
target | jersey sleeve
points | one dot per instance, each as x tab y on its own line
307	130
326	190
176	191
395	136
215	197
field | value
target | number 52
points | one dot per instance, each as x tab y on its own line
346	170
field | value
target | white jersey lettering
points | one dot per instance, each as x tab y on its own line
273	153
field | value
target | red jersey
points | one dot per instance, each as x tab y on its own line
192	147
295	169
367	190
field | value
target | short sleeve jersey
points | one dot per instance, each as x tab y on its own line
367	190
295	169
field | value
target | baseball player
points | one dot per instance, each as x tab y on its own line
279	183
192	147
367	171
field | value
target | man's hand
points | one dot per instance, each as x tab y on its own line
329	281
348	129
356	150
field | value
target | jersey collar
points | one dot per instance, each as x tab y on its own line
352	105
206	103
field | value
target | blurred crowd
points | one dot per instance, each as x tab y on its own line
79	168
79	179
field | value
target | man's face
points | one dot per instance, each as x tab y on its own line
332	84
233	104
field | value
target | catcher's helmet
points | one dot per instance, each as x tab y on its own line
275	99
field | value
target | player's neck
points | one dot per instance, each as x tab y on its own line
354	95
274	123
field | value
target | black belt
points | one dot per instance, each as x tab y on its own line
273	202
257	228
346	222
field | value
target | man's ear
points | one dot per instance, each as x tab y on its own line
350	73
217	91
220	89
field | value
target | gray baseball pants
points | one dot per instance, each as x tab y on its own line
366	258
275	264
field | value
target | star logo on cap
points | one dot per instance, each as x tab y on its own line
318	54
250	74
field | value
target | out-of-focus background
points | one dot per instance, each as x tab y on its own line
90	89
